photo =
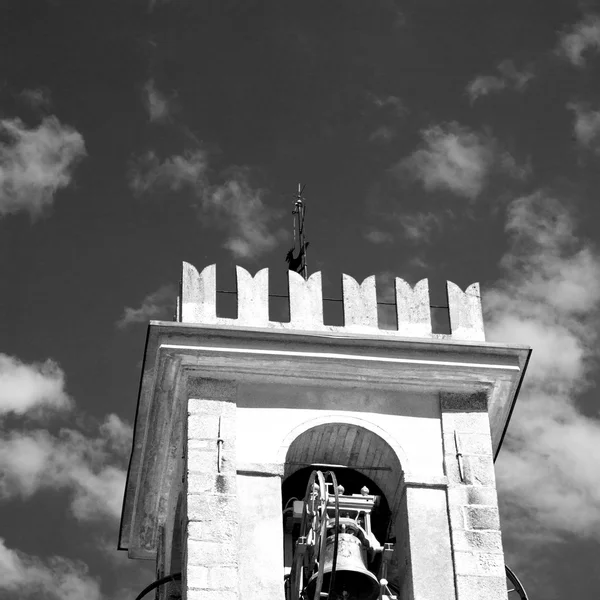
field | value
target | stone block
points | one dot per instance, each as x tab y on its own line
477	541
469	443
202	507
481	517
212	530
479	470
206	553
196	594
212	578
471	587
479	563
466	422
472	494
202	426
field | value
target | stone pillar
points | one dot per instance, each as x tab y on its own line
261	536
210	553
473	502
425	556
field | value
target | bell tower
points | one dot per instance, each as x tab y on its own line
299	460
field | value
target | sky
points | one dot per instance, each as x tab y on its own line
449	140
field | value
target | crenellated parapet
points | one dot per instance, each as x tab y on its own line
198	304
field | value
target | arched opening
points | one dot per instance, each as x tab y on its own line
368	473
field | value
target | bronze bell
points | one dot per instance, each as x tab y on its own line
351	573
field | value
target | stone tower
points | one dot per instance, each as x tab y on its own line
233	416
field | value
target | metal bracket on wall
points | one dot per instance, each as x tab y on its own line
459	457
220	442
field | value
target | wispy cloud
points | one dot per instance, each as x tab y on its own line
56	578
580	40
458	159
376	236
418	227
235	205
157	104
453	158
159	304
391	109
549	298
89	468
509	78
25	388
37	98
35	163
178	172
586	126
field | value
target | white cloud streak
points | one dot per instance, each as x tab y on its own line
89	468
549	299
26	388
235	205
419	227
453	158
57	578
586	127
157	104
35	163
376	236
581	39
509	78
159	304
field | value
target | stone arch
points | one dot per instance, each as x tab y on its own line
348	441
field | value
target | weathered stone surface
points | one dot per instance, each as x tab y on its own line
210	553
479	563
466	315
360	303
482	517
197	594
464	402
481	588
222	530
470	494
477	541
412	308
200	389
198	304
211	578
469	443
202	507
466	422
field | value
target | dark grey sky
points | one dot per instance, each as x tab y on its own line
444	140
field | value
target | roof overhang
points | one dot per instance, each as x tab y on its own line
176	351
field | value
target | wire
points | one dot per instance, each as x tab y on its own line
158	583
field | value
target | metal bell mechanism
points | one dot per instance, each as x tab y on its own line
336	547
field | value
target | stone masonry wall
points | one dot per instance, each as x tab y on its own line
472	499
210	553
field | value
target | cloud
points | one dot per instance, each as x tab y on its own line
156	103
510	78
35	163
241	210
587	125
157	305
392	108
579	40
59	578
31	387
376	236
37	98
176	173
235	205
453	158
89	468
418	227
549	298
